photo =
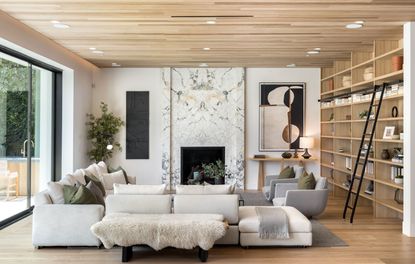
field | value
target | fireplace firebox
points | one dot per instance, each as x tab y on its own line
192	158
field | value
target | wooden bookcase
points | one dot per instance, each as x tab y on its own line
341	125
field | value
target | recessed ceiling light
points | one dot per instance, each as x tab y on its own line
61	26
97	51
313	52
355	25
206	48
307	55
92	48
203	65
292	65
114	64
211	22
317	49
55	22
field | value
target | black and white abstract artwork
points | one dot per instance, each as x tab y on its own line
282	113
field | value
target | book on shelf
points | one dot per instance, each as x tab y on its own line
395	171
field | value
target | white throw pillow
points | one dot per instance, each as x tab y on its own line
79	176
204	189
102	168
55	190
139	189
91	170
69	179
108	179
299	172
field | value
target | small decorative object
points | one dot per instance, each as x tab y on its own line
401	136
385	154
397	62
399	196
331	118
369	188
341	150
330	84
295	156
347	81
365	149
388	132
260	156
368	74
395	111
397	155
101	133
348	117
306	143
286	155
399	179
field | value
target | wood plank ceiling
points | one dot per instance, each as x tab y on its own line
263	33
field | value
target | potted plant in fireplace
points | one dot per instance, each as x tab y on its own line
216	171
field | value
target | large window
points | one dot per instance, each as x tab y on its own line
26	133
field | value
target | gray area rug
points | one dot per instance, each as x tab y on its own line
322	236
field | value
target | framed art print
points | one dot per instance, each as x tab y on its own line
281	116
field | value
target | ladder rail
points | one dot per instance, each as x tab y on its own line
366	156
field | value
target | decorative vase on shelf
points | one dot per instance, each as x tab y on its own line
286	155
397	62
385	154
347	81
368	74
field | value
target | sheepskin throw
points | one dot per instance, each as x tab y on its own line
273	223
158	231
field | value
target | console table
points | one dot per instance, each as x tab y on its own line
261	161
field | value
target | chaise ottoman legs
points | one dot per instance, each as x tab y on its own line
127	253
203	255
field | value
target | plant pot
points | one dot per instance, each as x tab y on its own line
399	180
219	180
397	62
385	154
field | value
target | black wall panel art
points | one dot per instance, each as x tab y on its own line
281	115
137	127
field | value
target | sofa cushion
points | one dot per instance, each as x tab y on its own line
97	192
108	179
138	204
89	178
68	179
279	201
286	173
249	223
205	189
79	176
55	191
299	171
306	181
321	183
78	195
101	168
139	189
119	168
91	170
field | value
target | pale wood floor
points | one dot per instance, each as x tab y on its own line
370	241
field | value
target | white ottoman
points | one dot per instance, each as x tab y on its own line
299	228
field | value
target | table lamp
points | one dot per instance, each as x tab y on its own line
306	143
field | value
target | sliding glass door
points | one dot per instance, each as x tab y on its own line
26	133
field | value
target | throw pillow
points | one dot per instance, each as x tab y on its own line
79	176
68	179
97	192
306	181
139	189
69	192
204	189
298	172
91	170
101	168
108	179
119	168
81	195
89	178
55	191
286	173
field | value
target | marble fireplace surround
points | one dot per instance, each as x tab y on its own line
203	107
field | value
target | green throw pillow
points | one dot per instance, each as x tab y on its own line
81	195
89	178
111	170
93	187
306	181
287	172
69	192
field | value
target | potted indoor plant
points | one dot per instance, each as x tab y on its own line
101	133
215	170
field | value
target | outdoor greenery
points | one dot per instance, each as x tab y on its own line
13	106
101	133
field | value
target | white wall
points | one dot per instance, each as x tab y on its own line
111	86
77	80
311	76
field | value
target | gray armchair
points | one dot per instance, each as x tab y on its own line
309	202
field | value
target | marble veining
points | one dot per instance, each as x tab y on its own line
206	108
